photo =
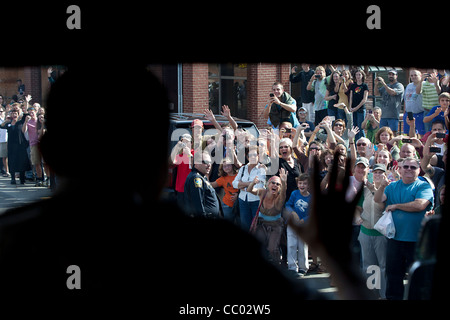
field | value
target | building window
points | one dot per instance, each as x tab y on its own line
228	86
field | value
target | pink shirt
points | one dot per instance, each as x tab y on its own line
32	132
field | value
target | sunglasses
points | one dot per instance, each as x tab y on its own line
410	167
363	144
284	147
276	183
338	125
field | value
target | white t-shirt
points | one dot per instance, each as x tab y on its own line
3	133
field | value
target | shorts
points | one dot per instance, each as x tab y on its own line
389	122
3	149
36	157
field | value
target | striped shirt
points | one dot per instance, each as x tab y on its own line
429	95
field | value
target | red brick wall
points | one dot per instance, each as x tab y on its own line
195	87
33	85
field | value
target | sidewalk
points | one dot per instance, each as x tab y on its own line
13	196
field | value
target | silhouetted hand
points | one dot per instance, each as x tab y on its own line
329	230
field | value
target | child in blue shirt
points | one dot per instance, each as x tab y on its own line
437	112
297	208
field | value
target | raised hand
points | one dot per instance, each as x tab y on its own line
352	133
209	115
283	175
226	111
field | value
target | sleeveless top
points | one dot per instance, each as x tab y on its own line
271	214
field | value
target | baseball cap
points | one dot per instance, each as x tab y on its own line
362	160
379	166
393	71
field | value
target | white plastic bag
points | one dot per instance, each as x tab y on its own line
385	225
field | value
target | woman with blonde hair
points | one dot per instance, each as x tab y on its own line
270	223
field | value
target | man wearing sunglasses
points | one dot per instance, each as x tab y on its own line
408	199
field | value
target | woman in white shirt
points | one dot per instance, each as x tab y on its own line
248	203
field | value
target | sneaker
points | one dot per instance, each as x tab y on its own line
302	272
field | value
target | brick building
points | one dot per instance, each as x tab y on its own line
34	78
245	88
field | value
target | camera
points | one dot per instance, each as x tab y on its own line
317	76
406	140
435	149
271	95
440	135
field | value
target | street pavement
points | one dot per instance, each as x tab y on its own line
319	282
13	196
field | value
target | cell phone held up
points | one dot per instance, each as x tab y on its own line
271	95
435	149
410	116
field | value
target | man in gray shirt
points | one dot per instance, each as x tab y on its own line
391	95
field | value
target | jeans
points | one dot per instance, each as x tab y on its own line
358	118
247	211
373	250
228	212
399	257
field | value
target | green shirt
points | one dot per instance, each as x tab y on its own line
429	95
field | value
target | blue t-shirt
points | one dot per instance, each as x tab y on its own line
407	224
440	116
299	204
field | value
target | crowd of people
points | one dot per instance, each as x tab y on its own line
22	125
265	181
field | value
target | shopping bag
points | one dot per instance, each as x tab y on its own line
385	225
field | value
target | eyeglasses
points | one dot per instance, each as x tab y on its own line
361	144
410	167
